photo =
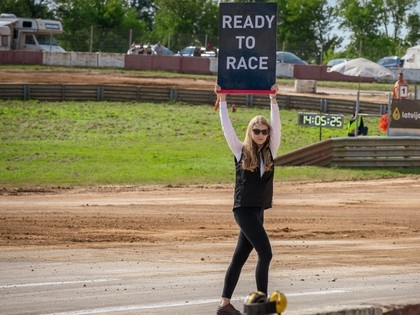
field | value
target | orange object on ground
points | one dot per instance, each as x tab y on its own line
383	123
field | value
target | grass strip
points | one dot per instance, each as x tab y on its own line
107	143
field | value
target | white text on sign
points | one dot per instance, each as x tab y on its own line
247	42
251	63
239	21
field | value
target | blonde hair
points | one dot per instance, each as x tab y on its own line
251	150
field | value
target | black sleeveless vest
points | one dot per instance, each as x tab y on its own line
252	190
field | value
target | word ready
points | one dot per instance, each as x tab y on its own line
239	21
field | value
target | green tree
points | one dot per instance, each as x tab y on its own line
186	22
250	1
361	19
394	18
323	18
370	21
304	26
28	8
98	25
146	10
397	10
413	26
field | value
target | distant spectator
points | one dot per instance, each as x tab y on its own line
159	49
197	51
149	49
133	49
140	49
400	90
356	119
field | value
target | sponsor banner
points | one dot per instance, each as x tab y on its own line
405	114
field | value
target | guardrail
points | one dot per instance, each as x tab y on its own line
78	92
342	152
356	152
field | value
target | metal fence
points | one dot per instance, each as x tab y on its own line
341	152
78	92
357	152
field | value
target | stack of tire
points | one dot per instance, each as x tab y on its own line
257	303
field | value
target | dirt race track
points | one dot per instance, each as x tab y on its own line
325	236
102	77
117	216
94	77
321	226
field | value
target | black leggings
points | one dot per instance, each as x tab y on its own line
252	235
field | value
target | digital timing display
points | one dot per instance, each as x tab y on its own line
321	120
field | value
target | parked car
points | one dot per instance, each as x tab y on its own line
288	57
186	51
337	61
165	51
189	51
209	53
392	62
135	50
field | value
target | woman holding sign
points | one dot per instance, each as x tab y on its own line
254	163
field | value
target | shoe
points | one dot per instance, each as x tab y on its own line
228	310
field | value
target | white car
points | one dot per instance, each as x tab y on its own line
334	62
189	51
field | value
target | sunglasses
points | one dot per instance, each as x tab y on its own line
258	131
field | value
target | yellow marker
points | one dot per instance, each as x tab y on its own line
396	114
256	297
280	299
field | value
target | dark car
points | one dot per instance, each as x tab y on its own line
189	51
288	57
393	62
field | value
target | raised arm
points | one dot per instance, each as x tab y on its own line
232	139
275	135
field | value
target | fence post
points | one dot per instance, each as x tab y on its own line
249	100
288	101
324	106
173	95
383	109
99	92
26	92
138	94
91	39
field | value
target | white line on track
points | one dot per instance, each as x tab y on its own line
171	304
39	284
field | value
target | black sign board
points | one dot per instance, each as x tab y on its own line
247	47
405	114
